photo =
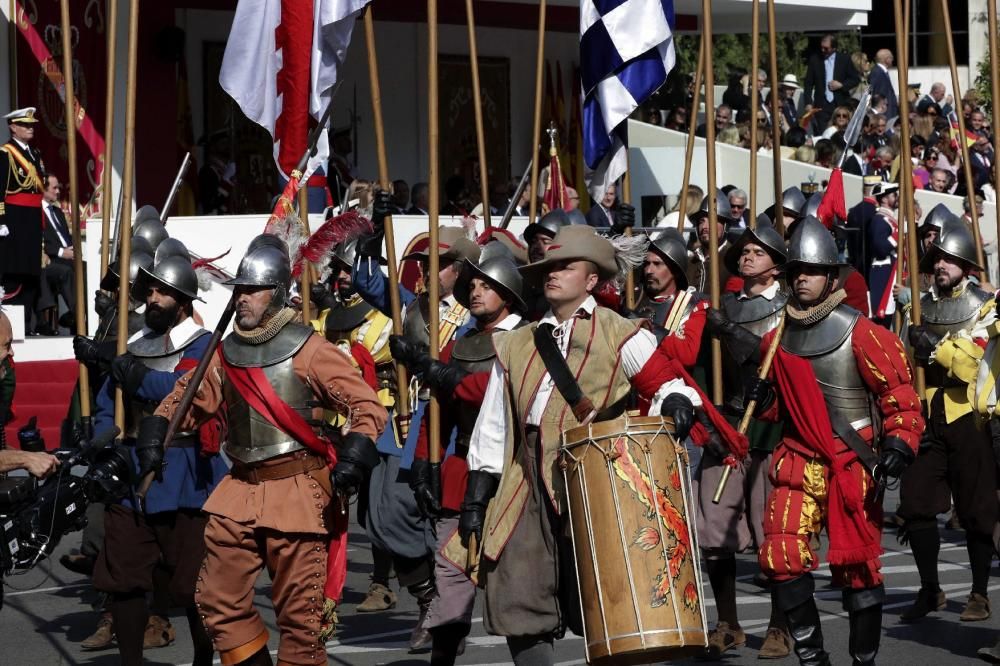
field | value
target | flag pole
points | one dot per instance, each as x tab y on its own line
128	176
966	164
755	111
109	131
304	284
433	247
689	150
906	176
74	201
772	46
630	277
402	384
713	209
536	132
991	19
477	105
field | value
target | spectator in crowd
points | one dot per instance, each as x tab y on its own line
830	78
977	123
935	100
730	136
805	154
981	159
881	83
796	137
677	119
723	120
420	199
879	104
738	205
839	120
928	162
826	153
57	267
602	213
653	116
940	181
400	195
789	111
881	164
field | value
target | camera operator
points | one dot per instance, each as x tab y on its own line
37	464
171	528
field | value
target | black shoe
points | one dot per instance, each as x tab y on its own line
78	563
927	601
68	320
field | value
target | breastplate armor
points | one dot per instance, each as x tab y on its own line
415	320
251	437
827	346
654	311
950	315
757	315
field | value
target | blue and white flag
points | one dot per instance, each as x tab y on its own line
626	52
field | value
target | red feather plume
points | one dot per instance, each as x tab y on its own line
335	230
208	261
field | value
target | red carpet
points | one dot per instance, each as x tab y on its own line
44	389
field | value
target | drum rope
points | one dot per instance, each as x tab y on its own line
666	555
628	557
594	563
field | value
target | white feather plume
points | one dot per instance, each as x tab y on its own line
630	252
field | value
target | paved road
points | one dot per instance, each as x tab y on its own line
44	620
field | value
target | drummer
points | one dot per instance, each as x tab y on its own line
527	558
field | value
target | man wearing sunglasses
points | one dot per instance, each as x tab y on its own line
830	78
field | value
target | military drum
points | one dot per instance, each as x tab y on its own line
629	489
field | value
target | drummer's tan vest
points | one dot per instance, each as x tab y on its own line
595	343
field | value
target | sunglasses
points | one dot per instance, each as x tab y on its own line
841	115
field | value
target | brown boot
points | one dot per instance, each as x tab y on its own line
927	601
103	637
777	644
159	633
379	598
977	609
724	638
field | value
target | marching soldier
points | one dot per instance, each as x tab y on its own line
399	528
831	366
956	457
492	291
513	453
362	332
21	212
169	529
290	476
737	521
698	268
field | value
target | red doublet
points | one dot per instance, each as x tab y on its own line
817	479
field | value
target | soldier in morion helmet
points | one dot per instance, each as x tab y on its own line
170	528
956	456
492	290
832	366
737	521
698	267
285	496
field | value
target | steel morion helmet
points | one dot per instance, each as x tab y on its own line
956	242
550	223
765	236
171	247
813	244
939	216
266	264
669	244
500	271
175	272
723	209
147	225
793	200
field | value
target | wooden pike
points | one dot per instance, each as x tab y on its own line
689	149
536	132
433	284
713	212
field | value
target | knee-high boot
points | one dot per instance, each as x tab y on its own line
796	601
864	608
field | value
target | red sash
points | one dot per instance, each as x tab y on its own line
26	199
253	386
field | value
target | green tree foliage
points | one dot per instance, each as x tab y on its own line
984	91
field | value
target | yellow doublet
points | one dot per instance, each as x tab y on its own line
961	356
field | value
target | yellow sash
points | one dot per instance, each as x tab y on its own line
32	180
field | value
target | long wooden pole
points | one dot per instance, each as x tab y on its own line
402	384
128	176
689	149
109	132
906	202
477	106
966	164
630	277
80	306
772	49
991	19
906	175
713	212
432	278
304	284
755	110
536	132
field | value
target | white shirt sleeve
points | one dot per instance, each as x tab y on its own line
489	437
635	352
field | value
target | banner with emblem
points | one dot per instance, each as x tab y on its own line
39	82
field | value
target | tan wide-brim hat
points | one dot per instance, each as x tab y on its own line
573	243
453	244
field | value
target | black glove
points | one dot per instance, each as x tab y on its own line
87	350
425	480
321	296
408	352
103	303
442	376
624	218
356	458
761	391
895	457
680	408
923	342
128	372
149	445
382	208
717	323
742	345
479	490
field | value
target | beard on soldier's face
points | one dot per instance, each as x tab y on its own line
159	319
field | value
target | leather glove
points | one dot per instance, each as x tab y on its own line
761	391
86	350
442	376
894	458
923	342
128	372
425	480
81	432
321	296
679	407
479	490
742	344
409	353
717	323
356	458
624	218
382	208
103	303
149	445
